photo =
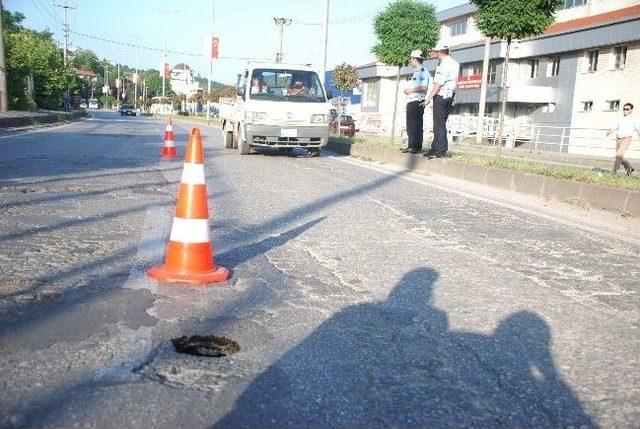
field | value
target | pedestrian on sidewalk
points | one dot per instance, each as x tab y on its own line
624	130
443	95
415	110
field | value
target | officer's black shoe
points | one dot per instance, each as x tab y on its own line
429	152
434	155
412	150
406	150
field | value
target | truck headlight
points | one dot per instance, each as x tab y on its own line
255	116
319	119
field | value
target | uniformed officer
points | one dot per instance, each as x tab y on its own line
415	95
443	95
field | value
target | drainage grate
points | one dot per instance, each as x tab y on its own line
208	345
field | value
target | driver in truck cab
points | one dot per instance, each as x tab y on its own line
298	87
257	86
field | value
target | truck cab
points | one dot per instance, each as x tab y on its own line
277	105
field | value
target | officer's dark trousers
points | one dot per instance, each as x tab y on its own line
441	109
415	113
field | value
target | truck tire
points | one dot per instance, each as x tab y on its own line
244	147
227	137
314	152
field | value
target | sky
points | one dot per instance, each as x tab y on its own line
245	27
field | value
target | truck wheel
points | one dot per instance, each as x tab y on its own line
227	136
314	152
244	147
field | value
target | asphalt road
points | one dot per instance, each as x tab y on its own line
361	296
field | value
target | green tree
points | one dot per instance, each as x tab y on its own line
403	26
85	59
345	78
33	56
509	20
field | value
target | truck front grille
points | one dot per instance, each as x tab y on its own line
286	141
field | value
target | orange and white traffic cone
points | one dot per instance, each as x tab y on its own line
189	255
169	148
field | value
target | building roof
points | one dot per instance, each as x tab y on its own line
455	12
85	73
181	66
595	20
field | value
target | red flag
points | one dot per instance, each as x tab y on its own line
215	46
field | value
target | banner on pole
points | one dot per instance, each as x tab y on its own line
215	47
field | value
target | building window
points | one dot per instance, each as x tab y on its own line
587	106
568	4
592	57
473	110
491	73
533	65
614	105
372	94
458	28
554	66
620	57
488	110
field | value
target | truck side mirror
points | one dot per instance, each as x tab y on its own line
240	92
329	95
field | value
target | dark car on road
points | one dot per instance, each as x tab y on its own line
347	125
127	110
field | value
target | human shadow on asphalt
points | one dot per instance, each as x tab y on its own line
396	363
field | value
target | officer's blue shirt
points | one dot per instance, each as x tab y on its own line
419	78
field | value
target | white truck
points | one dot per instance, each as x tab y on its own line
277	105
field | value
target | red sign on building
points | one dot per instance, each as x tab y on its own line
470	82
215	46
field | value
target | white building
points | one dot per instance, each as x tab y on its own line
577	74
182	80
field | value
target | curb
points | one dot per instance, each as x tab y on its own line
624	201
31	120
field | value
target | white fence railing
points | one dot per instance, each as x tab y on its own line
588	141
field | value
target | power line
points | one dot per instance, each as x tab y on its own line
151	48
47	16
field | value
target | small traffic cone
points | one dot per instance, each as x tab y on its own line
169	148
189	255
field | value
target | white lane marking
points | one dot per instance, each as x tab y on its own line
193	174
190	230
422	180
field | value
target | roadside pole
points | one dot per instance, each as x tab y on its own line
3	70
325	41
483	90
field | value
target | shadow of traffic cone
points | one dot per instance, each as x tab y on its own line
189	255
169	148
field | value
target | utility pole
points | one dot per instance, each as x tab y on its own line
325	39
281	22
483	90
164	69
118	83
135	80
3	70
213	15
65	28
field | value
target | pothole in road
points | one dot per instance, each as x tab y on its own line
207	345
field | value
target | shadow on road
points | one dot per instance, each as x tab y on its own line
395	363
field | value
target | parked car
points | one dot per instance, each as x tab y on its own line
83	103
127	110
93	104
347	125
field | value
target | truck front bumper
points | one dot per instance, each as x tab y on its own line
294	136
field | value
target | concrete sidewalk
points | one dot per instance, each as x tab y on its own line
587	195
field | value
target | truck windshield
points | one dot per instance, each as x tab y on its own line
286	85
